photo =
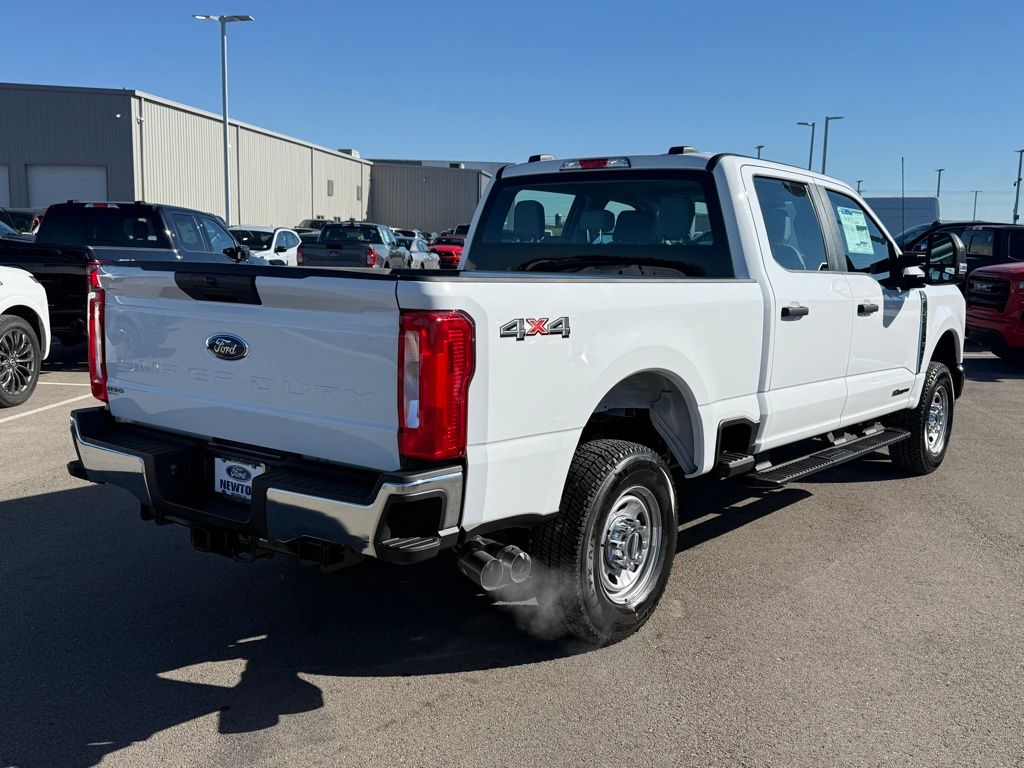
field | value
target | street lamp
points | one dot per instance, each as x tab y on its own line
224	21
858	185
759	147
824	148
810	156
1016	200
974	216
938	184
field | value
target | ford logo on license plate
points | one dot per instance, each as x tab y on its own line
227	346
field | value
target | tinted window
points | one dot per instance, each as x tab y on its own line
351	234
462	229
1015	245
216	234
187	231
794	232
867	249
257	241
979	242
640	223
127	226
449	241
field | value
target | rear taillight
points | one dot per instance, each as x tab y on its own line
435	366
97	306
371	257
298	256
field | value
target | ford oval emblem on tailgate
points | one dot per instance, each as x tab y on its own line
239	473
227	346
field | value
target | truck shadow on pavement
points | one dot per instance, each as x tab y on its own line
114	629
993	369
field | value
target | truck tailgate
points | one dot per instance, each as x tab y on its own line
319	372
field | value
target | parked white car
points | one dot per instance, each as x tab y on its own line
618	325
270	243
420	255
24	335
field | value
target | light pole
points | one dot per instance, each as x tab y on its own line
759	147
858	185
974	216
1016	199
938	184
224	21
810	155
824	146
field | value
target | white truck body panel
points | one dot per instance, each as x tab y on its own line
320	379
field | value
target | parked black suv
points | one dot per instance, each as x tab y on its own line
73	234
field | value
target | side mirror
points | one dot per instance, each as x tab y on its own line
945	259
238	253
281	249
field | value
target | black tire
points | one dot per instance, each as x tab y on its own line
19	361
920	454
572	551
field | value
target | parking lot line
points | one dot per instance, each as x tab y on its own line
44	408
64	383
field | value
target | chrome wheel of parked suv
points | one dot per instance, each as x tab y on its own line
19	361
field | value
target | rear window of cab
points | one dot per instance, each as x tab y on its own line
639	223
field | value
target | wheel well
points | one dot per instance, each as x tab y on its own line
947	352
30	317
647	408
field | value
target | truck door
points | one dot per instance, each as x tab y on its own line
886	321
809	306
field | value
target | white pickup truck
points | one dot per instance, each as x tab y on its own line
618	325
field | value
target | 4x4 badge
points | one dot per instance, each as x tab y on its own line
522	327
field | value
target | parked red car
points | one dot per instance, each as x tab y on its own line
449	251
995	308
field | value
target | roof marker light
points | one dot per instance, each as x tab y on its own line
595	163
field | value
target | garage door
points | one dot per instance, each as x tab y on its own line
56	183
5	187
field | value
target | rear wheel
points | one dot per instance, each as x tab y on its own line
930	424
608	553
19	361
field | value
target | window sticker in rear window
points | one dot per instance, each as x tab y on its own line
855	230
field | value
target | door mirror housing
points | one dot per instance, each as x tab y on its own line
238	253
945	259
281	249
943	262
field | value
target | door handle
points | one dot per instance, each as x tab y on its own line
866	309
795	311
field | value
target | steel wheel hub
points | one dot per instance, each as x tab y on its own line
631	548
938	421
17	363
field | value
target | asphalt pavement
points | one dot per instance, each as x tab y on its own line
864	618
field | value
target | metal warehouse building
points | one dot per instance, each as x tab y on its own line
59	143
431	198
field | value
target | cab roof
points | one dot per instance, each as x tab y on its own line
687	160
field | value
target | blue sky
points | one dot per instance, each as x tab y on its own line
501	80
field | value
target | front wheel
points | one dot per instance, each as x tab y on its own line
930	424
19	361
608	552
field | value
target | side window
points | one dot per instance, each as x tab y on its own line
1015	245
187	231
216	234
794	231
866	248
980	243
